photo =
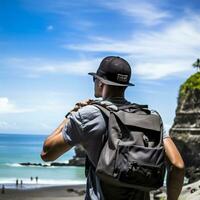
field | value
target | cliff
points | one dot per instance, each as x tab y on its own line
79	158
186	128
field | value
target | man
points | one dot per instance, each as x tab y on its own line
87	126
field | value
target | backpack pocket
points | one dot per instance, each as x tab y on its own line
134	167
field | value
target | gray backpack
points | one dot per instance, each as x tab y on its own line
133	153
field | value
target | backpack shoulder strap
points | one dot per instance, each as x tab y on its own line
107	109
161	125
106	112
134	106
103	108
88	165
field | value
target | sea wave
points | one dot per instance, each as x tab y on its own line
44	165
13	165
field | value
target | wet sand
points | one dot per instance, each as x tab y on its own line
73	192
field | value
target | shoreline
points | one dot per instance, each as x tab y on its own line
26	183
29	185
36	186
59	192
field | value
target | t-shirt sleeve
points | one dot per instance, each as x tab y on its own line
83	124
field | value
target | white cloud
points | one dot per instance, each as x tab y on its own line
165	52
174	40
3	124
159	70
167	127
39	66
7	107
140	11
50	28
61	7
143	11
81	67
8	126
154	54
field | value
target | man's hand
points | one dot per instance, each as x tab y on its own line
81	104
55	145
175	172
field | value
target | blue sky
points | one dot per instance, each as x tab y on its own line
48	47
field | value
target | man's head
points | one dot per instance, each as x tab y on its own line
112	77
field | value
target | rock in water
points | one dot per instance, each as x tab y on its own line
79	158
186	128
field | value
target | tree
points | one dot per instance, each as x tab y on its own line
197	64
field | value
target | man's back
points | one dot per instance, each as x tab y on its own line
88	128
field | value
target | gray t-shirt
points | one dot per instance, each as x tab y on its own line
86	127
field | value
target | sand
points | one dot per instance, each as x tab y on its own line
189	192
77	192
73	192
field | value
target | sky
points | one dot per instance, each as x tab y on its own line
47	48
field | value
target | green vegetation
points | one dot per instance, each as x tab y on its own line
191	83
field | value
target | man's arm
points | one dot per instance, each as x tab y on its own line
55	145
175	170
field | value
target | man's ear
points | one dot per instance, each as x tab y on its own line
100	84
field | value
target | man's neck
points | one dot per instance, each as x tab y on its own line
113	97
117	100
110	92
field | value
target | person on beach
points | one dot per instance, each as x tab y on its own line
17	182
21	183
86	125
3	190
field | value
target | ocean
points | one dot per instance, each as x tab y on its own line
17	148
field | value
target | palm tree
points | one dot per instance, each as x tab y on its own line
197	64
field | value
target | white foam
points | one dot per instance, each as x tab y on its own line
47	165
27	183
13	165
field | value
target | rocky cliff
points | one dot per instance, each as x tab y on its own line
186	128
79	157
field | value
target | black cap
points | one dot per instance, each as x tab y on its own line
114	70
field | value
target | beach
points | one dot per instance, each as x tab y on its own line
77	192
69	192
41	181
16	149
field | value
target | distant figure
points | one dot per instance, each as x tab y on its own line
21	183
36	178
3	189
17	182
31	178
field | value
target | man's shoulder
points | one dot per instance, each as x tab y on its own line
89	109
86	113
